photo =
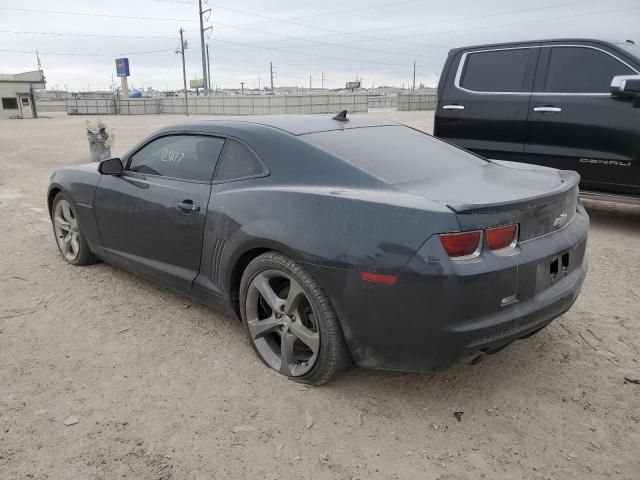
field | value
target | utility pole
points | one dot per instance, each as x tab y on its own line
413	88
184	72
271	69
259	86
204	54
323	79
310	87
241	88
208	70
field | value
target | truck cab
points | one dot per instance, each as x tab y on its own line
569	104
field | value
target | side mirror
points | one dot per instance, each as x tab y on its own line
625	86
111	166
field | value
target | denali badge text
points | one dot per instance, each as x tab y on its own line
613	163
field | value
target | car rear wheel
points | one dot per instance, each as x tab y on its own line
290	321
66	228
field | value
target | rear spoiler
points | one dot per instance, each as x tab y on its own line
569	181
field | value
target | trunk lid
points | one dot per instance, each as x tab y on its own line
541	200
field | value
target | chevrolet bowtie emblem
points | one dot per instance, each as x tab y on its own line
560	221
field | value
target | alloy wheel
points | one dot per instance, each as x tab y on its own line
65	225
282	323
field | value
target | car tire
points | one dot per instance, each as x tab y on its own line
303	329
70	240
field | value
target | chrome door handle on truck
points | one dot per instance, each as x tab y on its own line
453	107
548	109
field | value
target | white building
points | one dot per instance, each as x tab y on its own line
16	94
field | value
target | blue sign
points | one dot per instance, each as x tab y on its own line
122	67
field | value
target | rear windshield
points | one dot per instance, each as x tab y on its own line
394	154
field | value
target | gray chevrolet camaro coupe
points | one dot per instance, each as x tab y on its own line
335	239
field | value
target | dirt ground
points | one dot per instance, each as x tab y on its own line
164	388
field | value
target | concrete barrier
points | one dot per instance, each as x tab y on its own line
44	106
417	101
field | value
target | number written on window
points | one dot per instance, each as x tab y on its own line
192	157
171	155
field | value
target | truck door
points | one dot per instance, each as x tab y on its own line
575	124
484	104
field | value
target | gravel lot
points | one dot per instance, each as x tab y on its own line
164	388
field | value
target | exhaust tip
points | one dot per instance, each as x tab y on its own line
474	358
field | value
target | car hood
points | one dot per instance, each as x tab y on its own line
496	184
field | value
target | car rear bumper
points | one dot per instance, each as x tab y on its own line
439	311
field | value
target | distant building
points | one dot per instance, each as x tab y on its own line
17	94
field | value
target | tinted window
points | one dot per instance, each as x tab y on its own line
180	156
394	154
238	161
498	71
9	103
582	70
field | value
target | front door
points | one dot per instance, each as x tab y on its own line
26	110
485	101
575	124
152	217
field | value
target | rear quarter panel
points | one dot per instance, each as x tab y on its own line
336	227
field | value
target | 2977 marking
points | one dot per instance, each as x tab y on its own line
171	155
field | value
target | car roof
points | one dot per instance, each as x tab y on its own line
293	124
610	43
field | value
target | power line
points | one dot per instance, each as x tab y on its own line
61	34
477	17
351	60
304	39
139	37
275	19
484	27
315	15
87	54
106	15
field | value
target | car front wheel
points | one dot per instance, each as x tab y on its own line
290	321
66	228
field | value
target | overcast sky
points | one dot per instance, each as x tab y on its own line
375	40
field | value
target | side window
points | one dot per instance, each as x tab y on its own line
191	157
9	103
496	71
238	161
582	70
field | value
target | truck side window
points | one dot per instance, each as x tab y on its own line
582	70
496	71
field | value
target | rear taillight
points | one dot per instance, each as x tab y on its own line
502	237
461	244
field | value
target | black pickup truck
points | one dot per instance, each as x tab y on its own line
571	104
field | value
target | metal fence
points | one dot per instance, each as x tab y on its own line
383	101
91	106
219	105
417	101
139	106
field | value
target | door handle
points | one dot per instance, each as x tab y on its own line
453	107
548	109
188	206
